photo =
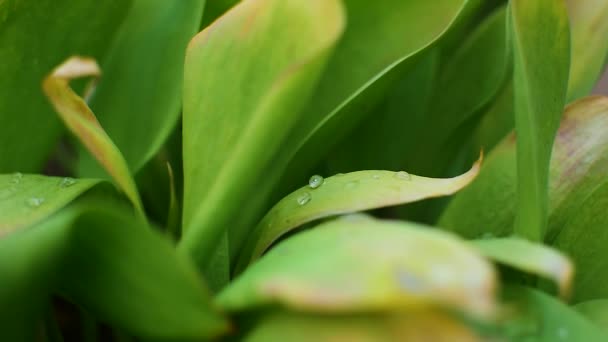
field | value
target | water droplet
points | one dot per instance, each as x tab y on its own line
34	202
562	333
376	176
339	174
304	198
16	178
351	185
67	182
315	181
409	282
403	175
487	235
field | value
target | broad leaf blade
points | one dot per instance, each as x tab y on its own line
27	199
359	264
347	193
33	41
596	311
362	70
138	100
578	164
530	257
79	118
417	326
584	238
541	43
115	267
246	78
589	26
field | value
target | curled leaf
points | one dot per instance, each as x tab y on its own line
531	257
347	193
81	121
360	264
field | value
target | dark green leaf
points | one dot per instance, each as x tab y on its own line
138	99
596	311
35	36
114	266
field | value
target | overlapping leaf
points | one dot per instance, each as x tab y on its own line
578	161
596	311
347	193
79	118
246	78
530	257
541	44
359	264
99	258
414	327
28	199
33	41
138	100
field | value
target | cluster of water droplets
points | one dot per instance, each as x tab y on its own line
314	182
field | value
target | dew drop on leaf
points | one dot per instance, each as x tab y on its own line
16	178
34	202
351	185
67	182
376	176
315	181
403	175
304	198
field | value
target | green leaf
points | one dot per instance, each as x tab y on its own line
529	257
363	69
539	317
589	44
138	99
541	43
346	193
115	267
584	238
578	164
359	264
79	118
466	84
246	78
596	311
418	326
28	199
32	41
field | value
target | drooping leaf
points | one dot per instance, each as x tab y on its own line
32	41
111	264
81	121
346	193
541	44
578	164
589	44
359	264
416	326
246	78
28	199
596	311
539	317
138	99
529	257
